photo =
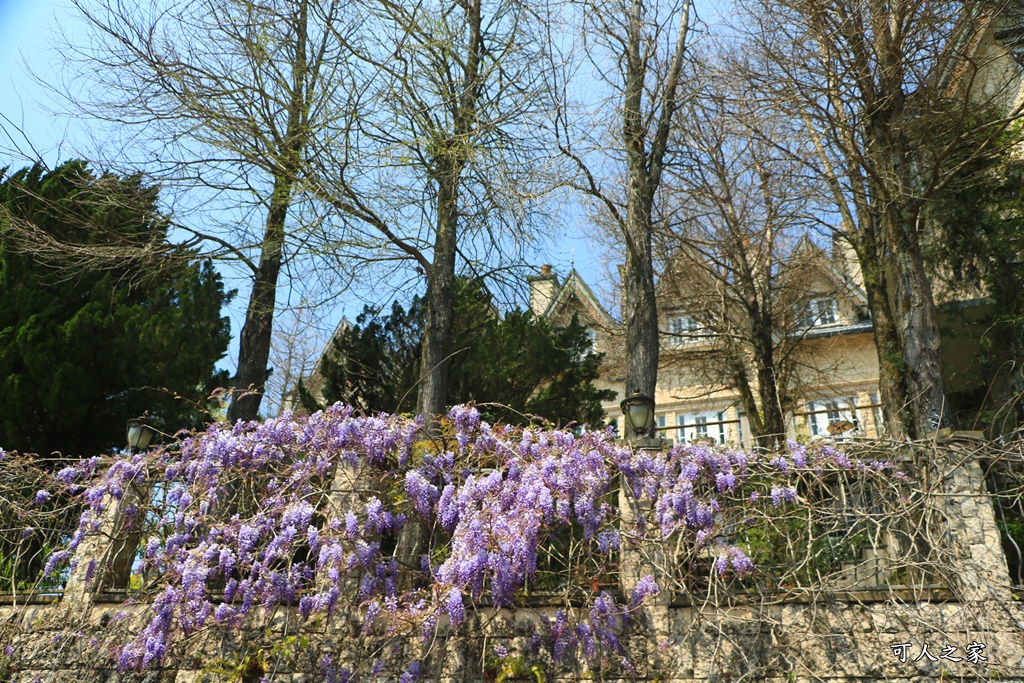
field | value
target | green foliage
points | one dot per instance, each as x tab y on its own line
784	543
253	662
1010	522
84	350
11	577
976	245
240	669
517	360
980	234
1012	528
512	668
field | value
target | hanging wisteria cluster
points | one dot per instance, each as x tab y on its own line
323	513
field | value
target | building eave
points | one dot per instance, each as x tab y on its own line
826	331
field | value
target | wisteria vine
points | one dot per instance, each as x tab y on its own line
318	512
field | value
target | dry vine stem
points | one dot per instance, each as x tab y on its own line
547	554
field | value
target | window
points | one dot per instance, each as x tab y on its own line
683	329
876	413
702	426
833	418
822	311
694	426
591	336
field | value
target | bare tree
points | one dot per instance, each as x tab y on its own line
220	98
298	340
898	98
626	44
733	264
441	157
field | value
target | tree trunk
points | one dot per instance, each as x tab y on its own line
773	422
254	340
449	160
640	310
912	305
747	399
891	367
908	291
437	328
915	353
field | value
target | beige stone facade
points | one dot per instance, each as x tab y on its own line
838	369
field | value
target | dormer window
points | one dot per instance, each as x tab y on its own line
683	329
821	311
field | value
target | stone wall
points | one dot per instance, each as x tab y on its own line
856	634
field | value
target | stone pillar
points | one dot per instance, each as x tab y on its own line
638	559
344	496
968	508
105	556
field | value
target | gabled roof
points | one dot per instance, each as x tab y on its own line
575	285
679	281
329	346
831	269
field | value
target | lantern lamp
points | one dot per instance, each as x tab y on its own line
140	433
639	412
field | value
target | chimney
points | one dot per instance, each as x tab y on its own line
844	256
543	289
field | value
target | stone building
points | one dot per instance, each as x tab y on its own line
838	389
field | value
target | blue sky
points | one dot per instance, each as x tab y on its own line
24	35
26	29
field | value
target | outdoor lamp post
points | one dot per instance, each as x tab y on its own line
639	412
140	433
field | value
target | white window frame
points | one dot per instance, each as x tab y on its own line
684	329
821	312
693	426
839	410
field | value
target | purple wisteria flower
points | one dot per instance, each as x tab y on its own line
780	493
608	540
645	588
799	454
327	494
411	674
456	611
466	418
